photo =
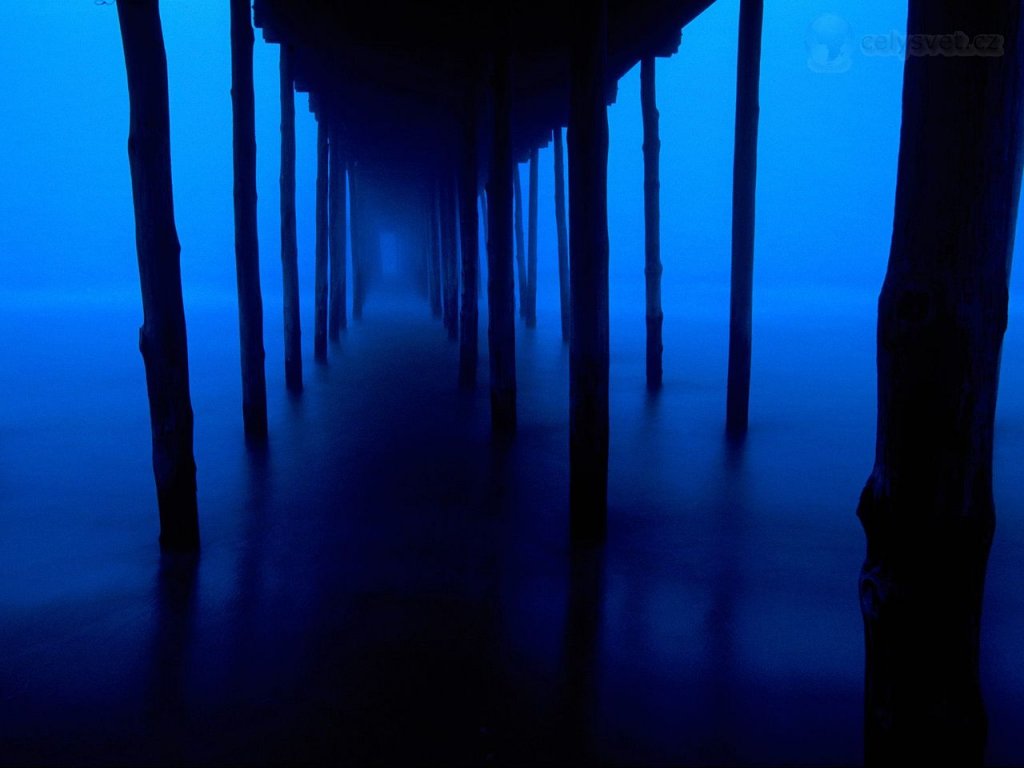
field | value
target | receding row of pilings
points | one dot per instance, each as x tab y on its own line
927	508
454	225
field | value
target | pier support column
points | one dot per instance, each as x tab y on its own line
247	251
470	232
743	197
928	509
531	251
588	275
562	234
289	237
434	265
338	312
652	223
162	338
501	328
520	241
450	253
321	248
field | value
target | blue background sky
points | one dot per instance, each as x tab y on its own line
828	152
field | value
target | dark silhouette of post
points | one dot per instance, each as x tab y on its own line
562	234
652	222
520	241
247	251
449	254
289	237
434	264
588	274
470	232
531	252
337	313
162	338
743	197
358	225
927	509
320	286
501	308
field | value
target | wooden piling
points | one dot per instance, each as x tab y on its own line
320	273
338	311
434	264
531	252
520	241
469	230
501	328
247	253
562	235
588	275
743	198
927	508
652	222
449	254
162	338
289	237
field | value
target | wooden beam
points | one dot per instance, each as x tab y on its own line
531	252
652	223
470	232
520	241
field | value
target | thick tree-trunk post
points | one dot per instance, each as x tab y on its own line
520	241
289	237
652	222
434	265
744	185
927	508
450	255
501	308
338	313
320	286
531	252
483	209
470	231
563	235
247	252
162	338
588	274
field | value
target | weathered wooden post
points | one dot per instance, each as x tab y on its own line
470	232
652	222
588	275
501	326
520	241
531	252
289	237
320	265
358	225
743	197
338	312
927	508
562	234
247	252
434	264
449	254
162	338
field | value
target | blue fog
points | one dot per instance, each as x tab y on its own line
351	571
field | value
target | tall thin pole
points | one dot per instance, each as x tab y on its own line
338	313
743	199
531	253
247	251
321	251
289	237
652	223
563	235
